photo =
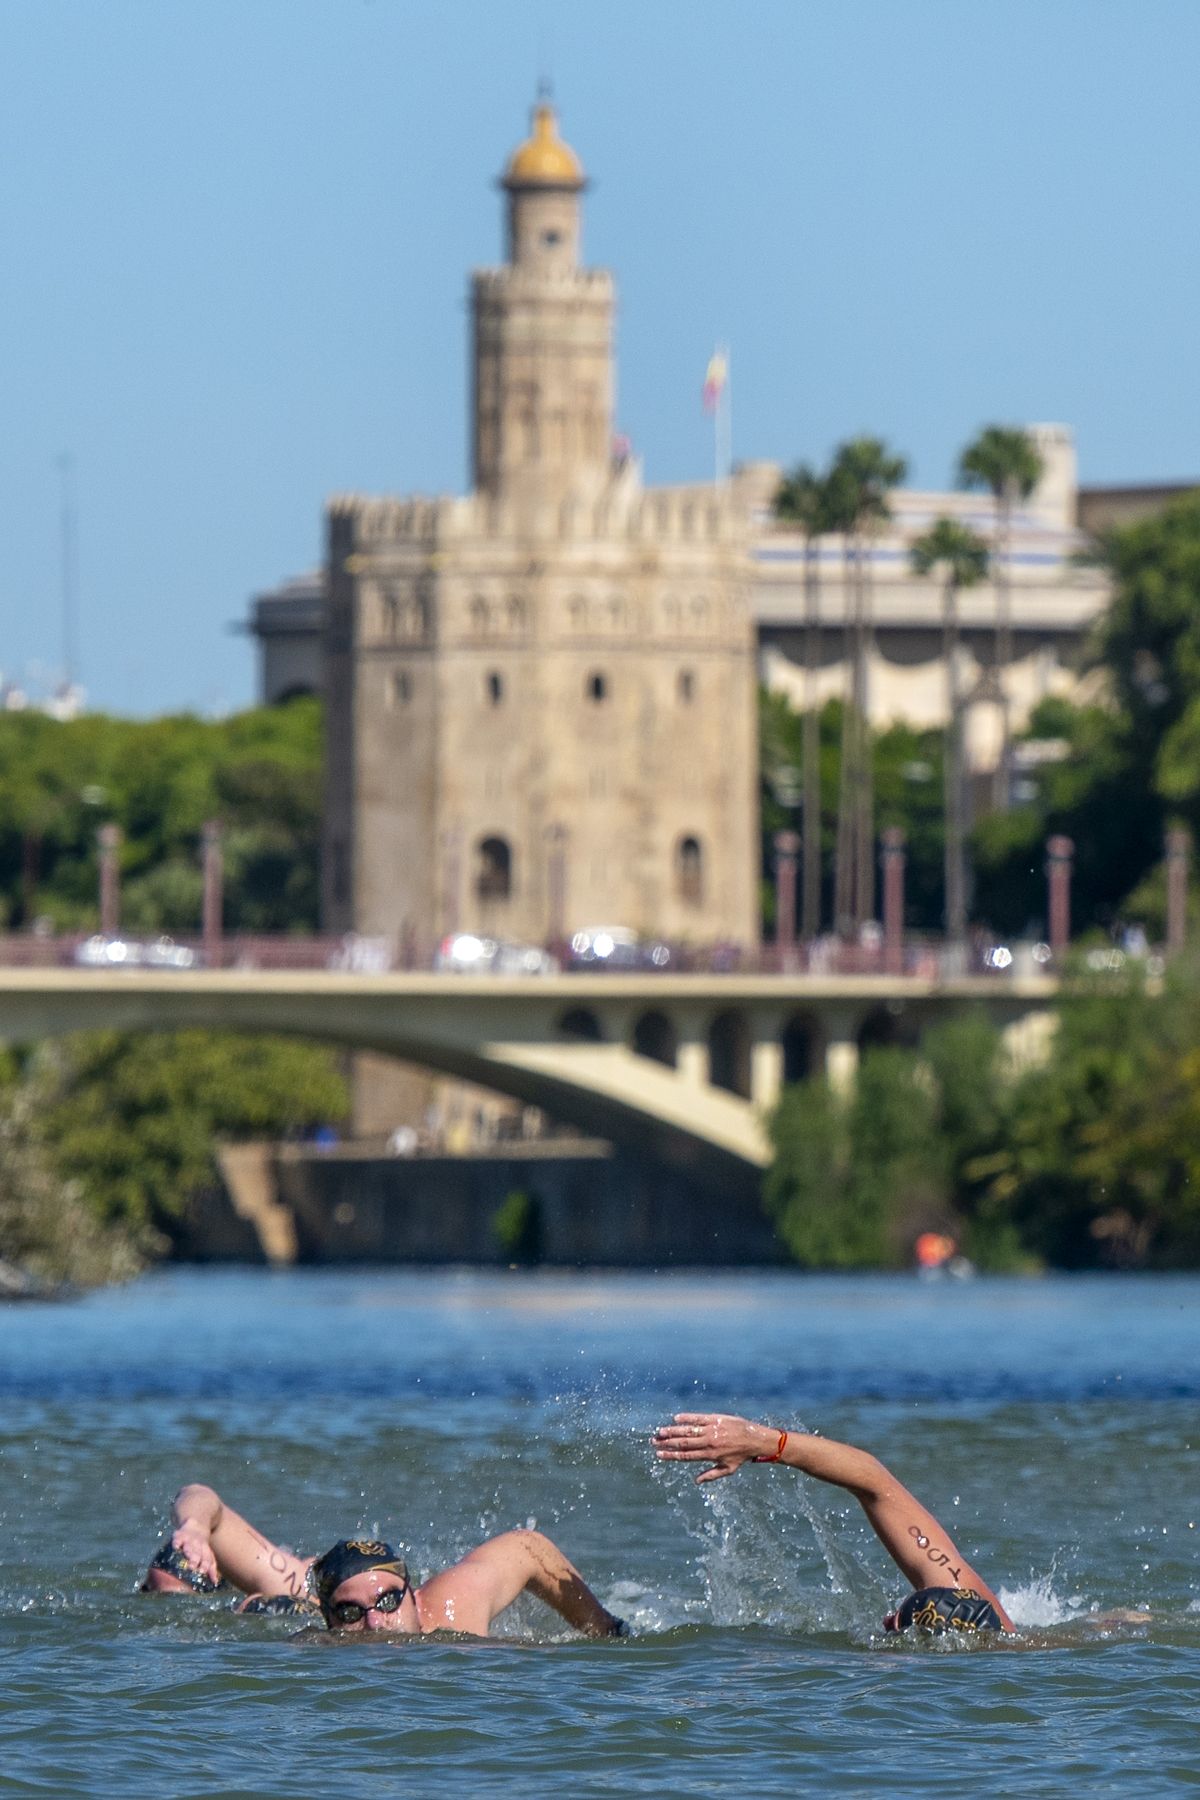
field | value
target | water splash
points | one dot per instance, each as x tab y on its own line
1036	1603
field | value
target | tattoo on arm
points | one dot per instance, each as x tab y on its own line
291	1580
934	1553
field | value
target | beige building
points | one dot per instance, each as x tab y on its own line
541	695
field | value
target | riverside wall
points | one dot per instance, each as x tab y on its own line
589	1205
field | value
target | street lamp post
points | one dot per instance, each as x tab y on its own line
787	848
214	892
556	884
893	900
1179	846
109	839
1059	851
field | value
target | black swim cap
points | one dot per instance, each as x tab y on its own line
174	1562
948	1609
349	1557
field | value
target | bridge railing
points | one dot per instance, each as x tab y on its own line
920	957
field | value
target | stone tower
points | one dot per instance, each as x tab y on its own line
542	425
541	696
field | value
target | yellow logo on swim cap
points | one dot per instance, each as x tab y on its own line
368	1547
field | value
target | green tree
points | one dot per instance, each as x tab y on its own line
1100	1164
160	780
960	558
136	1118
1005	460
856	1176
48	1232
1133	754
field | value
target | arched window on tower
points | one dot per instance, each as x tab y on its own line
495	687
596	687
480	616
689	871
686	687
493	880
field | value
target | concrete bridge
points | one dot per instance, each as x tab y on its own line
683	1067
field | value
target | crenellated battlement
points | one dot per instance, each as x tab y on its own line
508	282
372	520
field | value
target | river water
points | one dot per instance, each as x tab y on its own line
1052	1424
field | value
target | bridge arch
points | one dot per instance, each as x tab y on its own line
581	1023
729	1052
800	1048
655	1036
887	1027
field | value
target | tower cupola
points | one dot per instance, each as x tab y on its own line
544	179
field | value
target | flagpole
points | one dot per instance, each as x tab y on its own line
727	396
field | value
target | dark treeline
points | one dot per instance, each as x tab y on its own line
1130	768
258	773
105	1139
1089	1156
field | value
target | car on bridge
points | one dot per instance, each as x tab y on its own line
466	953
616	947
100	952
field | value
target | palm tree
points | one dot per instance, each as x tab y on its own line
802	500
1005	459
863	471
960	556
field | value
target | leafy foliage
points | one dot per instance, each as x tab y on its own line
136	1118
854	1174
1091	1159
258	772
47	1230
906	765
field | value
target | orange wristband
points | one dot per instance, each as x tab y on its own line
779	1448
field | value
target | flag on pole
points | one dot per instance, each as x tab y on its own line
714	380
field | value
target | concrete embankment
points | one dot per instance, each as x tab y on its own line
562	1206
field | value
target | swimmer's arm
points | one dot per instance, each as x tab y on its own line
910	1534
469	1596
222	1543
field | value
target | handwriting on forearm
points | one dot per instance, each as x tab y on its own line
933	1552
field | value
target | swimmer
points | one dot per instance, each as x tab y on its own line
947	1593
362	1584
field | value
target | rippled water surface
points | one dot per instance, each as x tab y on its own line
1054	1425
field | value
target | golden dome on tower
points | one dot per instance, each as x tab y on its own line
543	160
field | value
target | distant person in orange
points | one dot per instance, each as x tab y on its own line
947	1594
934	1249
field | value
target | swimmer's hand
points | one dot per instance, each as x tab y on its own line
192	1539
721	1439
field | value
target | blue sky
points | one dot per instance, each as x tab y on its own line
235	238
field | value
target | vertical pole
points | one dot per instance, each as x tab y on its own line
452	877
212	920
109	839
70	652
1002	779
811	742
1179	845
727	396
787	846
1059	851
556	885
952	779
893	900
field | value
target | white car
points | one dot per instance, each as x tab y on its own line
465	953
100	952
